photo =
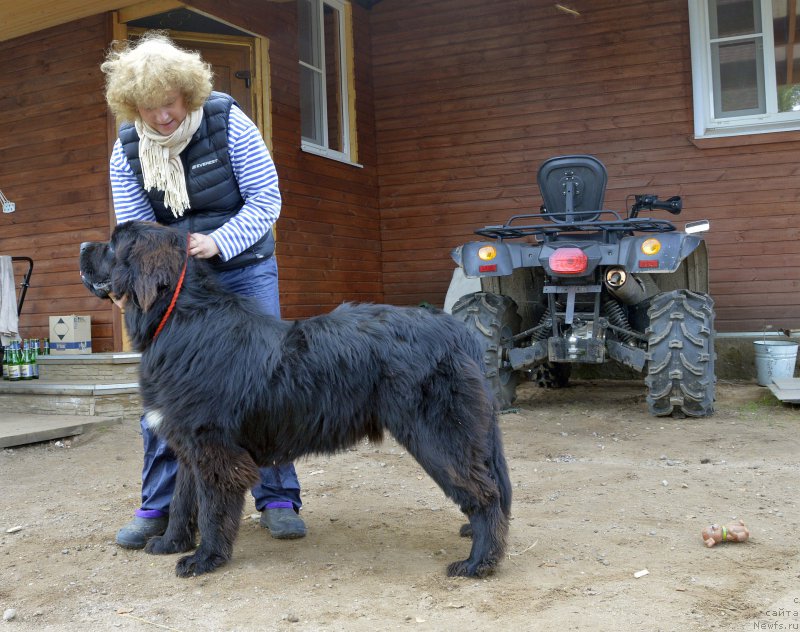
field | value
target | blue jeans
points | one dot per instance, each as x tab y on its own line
279	485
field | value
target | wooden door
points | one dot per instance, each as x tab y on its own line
232	65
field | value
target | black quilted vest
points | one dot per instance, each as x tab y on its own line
214	194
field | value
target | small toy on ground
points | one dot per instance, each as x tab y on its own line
714	534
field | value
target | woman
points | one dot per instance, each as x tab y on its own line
189	157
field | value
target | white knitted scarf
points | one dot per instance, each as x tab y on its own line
161	163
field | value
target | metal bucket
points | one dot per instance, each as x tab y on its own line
774	359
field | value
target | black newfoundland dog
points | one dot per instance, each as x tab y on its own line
231	389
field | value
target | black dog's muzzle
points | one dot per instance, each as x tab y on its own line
103	287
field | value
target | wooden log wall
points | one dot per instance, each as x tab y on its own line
53	165
472	96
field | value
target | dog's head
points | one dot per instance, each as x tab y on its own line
140	262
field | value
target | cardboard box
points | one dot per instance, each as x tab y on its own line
70	334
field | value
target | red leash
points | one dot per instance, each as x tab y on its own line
175	295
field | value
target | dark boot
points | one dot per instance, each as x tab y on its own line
283	523
138	531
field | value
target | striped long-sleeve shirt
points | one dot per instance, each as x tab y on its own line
254	172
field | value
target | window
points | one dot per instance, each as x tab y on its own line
745	66
325	78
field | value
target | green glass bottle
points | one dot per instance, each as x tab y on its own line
25	362
34	351
13	363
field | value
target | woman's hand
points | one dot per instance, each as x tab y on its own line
202	246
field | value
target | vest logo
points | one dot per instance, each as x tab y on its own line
205	165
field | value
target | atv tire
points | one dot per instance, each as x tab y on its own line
680	356
551	374
493	318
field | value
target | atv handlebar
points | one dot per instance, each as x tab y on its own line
649	202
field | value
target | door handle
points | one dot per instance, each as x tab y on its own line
244	75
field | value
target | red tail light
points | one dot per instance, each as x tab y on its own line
569	261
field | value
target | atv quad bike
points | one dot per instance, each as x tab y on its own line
576	284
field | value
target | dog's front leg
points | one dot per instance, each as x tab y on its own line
223	477
179	536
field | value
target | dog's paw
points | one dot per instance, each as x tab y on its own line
160	545
198	564
465	568
466	530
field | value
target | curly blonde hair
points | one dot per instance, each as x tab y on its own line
139	74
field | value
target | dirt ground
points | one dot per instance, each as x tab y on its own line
602	490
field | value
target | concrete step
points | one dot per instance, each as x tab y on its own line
90	367
70	398
20	429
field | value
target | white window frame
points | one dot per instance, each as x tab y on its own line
321	104
706	125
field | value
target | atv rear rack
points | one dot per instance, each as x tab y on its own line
545	232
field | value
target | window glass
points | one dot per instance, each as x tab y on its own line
306	23
333	77
323	77
310	115
729	18
737	79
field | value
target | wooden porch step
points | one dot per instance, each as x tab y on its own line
90	367
20	429
42	397
786	389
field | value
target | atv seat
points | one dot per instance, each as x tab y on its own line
573	188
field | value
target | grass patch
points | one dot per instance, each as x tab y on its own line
767	400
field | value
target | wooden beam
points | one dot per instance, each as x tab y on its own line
349	52
22	18
147	8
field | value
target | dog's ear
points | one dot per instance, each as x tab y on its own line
148	265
